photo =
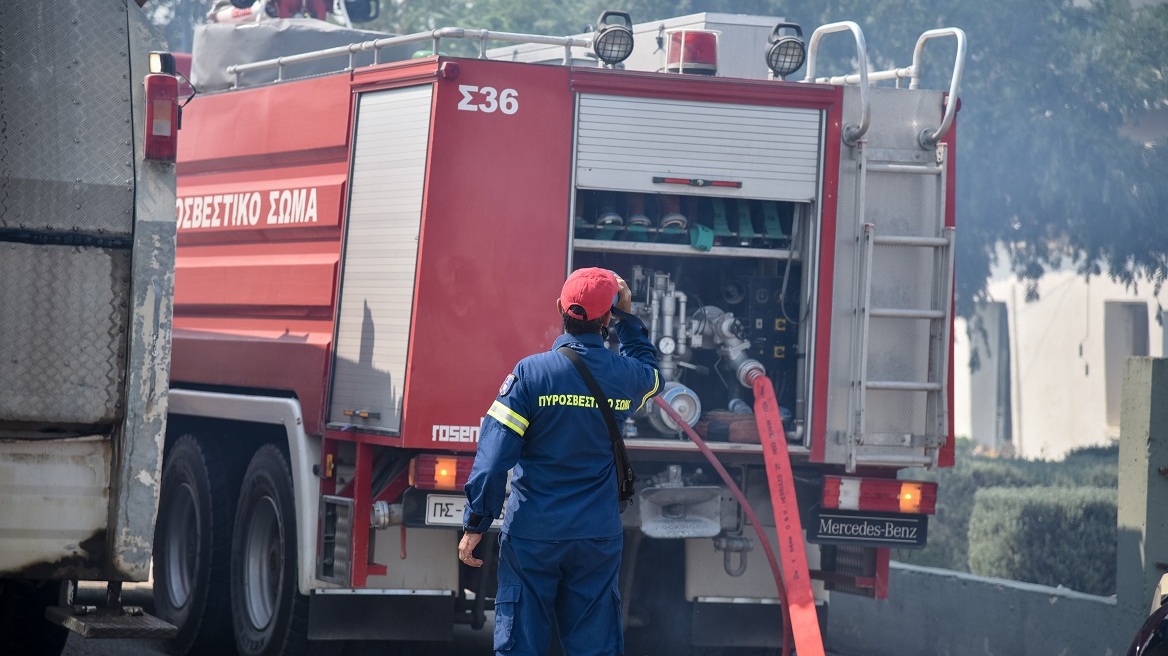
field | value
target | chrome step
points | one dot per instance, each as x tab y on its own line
902	386
899	313
916	169
901	240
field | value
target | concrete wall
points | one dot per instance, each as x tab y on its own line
933	612
1058	369
1143	482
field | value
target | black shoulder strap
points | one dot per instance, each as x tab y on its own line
624	468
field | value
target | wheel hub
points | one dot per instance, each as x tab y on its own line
263	565
182	546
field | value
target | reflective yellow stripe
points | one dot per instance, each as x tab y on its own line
656	384
508	417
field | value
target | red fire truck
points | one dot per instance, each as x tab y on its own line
364	254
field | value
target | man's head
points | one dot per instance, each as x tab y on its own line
586	299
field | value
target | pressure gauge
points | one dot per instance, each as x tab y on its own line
667	345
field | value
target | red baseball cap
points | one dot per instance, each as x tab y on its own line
588	293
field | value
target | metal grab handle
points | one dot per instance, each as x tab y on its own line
852	132
929	139
603	21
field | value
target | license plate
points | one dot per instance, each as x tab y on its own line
868	528
444	510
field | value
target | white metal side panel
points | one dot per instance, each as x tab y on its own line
623	143
705	572
56	496
380	258
428	566
896	204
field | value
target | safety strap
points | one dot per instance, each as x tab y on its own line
792	554
626	477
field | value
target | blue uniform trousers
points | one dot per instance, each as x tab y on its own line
572	581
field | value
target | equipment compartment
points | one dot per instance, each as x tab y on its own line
719	283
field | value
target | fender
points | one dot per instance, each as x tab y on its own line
303	452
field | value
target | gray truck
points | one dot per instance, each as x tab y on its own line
87	237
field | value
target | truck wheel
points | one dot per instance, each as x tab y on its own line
268	612
24	631
192	545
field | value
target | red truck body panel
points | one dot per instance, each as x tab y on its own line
493	247
255	290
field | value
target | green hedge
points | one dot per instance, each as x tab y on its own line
948	545
1048	535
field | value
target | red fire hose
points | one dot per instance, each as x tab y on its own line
803	624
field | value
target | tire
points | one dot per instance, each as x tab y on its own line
192	549
24	631
269	615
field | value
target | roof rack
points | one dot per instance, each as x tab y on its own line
434	36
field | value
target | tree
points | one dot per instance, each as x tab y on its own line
177	19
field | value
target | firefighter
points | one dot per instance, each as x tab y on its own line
560	546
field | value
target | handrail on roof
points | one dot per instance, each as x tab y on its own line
376	45
928	137
852	132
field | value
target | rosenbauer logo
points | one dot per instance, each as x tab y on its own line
247	209
439	433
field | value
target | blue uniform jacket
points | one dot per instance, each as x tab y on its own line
546	425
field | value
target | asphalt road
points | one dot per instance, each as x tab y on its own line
466	642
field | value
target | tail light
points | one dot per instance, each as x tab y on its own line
161	142
879	495
434	472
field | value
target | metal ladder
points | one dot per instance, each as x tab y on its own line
939	315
